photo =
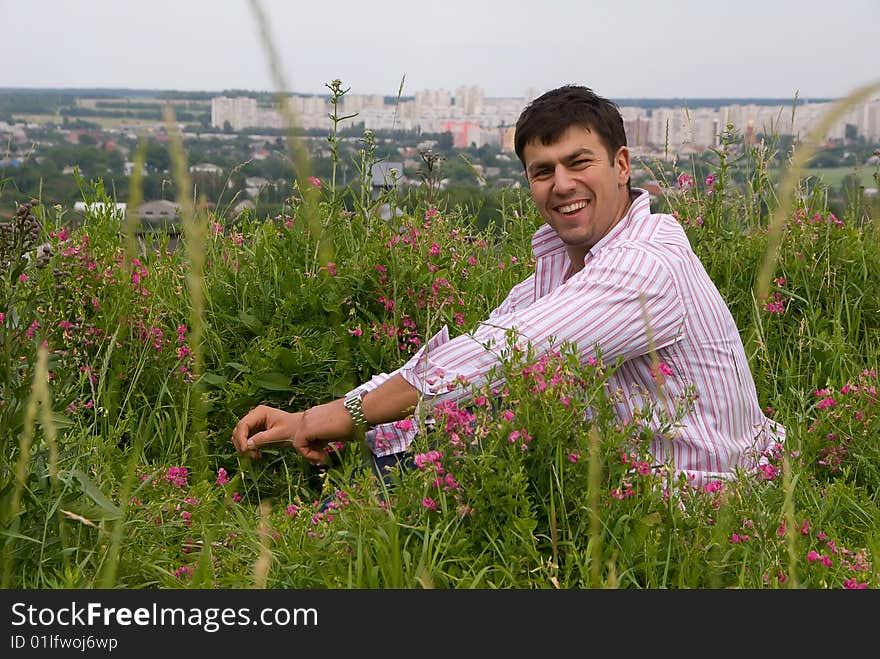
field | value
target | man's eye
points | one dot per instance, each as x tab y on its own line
581	162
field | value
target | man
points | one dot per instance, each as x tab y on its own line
608	273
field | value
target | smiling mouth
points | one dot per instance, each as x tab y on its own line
572	207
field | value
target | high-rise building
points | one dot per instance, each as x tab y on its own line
240	112
469	99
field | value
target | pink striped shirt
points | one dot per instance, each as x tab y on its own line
643	267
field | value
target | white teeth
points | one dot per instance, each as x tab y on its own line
572	207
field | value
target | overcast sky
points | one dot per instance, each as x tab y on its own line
620	48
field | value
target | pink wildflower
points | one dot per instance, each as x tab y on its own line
429	503
177	476
183	572
222	477
423	460
827	400
661	371
624	492
450	482
776	305
712	487
404	425
769	472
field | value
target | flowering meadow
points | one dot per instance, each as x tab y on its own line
126	363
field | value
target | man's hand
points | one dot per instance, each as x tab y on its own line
269	427
310	431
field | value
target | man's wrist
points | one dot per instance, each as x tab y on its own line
353	403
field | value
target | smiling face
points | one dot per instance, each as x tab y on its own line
578	189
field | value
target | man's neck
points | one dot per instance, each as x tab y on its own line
577	253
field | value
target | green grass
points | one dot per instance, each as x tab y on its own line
833	176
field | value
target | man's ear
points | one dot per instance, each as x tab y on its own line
621	159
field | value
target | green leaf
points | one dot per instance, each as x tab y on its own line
241	368
330	304
213	379
19	536
61	420
288	359
651	519
251	322
525	525
273	381
95	493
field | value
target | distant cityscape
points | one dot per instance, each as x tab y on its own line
238	158
476	120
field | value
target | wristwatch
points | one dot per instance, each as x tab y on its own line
353	405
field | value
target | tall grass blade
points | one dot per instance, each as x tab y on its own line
195	243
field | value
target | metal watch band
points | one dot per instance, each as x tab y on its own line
353	405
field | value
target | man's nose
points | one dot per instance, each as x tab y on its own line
563	182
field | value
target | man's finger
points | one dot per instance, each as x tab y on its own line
239	439
247	424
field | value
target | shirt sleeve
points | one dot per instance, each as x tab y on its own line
624	301
517	296
388	438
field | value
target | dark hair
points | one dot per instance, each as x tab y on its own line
547	117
